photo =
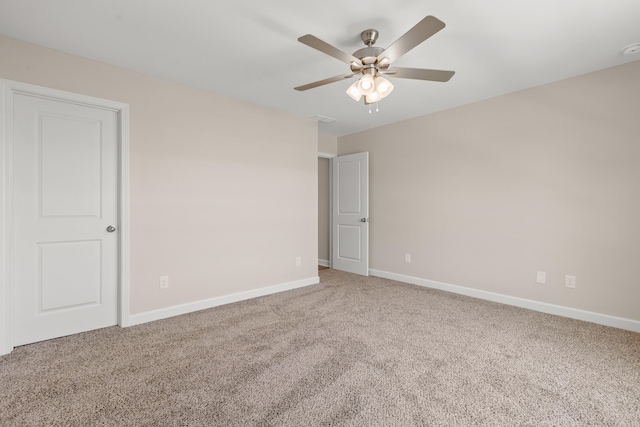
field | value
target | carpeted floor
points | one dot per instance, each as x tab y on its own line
350	351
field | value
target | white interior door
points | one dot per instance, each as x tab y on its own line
350	213
65	198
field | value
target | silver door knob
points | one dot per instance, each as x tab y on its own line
363	220
111	229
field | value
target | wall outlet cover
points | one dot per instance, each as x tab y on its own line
570	281
164	282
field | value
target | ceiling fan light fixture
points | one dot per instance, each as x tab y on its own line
383	86
366	84
372	98
354	92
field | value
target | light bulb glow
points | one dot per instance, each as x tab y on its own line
383	86
372	97
372	88
366	84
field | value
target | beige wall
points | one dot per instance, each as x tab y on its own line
323	208
545	179
223	193
327	144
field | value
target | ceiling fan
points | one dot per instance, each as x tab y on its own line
371	63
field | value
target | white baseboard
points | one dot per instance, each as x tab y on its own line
323	262
573	313
176	310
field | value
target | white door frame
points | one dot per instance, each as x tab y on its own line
8	89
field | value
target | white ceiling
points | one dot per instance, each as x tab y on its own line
248	49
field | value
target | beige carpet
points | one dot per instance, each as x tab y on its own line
350	351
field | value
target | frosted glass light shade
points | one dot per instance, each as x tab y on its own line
383	86
372	97
354	92
372	88
366	84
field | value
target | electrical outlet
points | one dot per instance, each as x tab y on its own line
407	258
570	281
298	262
541	277
164	282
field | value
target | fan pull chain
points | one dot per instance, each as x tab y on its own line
377	109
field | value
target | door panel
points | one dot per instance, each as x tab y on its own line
349	237
60	290
349	174
65	196
69	187
350	208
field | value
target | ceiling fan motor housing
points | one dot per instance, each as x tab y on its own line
368	56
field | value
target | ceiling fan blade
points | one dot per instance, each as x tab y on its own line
419	74
324	82
412	38
316	43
